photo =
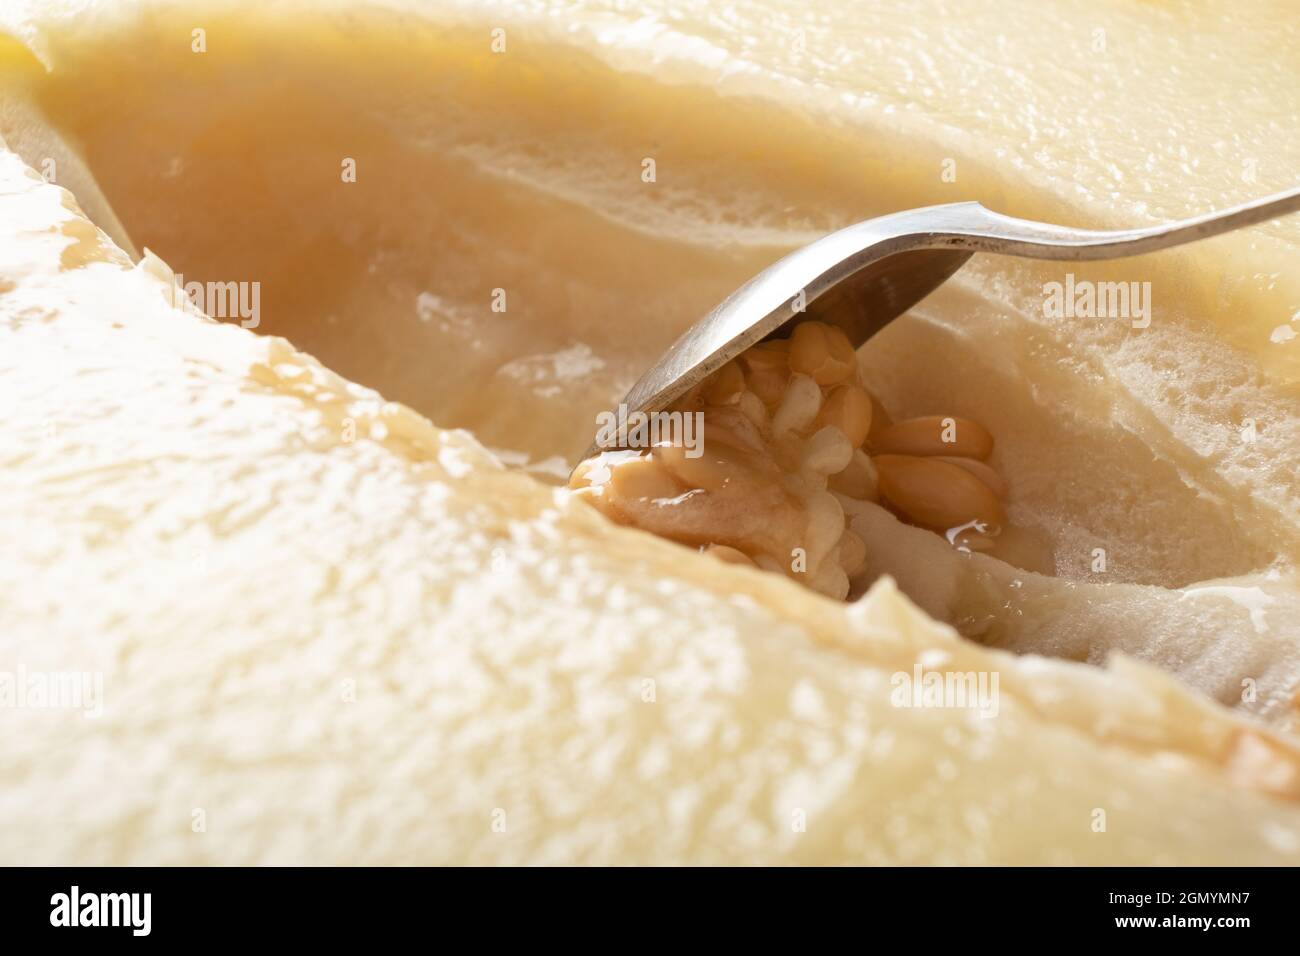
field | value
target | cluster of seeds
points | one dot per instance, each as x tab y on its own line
794	446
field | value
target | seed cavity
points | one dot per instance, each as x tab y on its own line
795	446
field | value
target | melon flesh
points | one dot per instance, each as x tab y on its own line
348	634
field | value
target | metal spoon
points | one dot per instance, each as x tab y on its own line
864	276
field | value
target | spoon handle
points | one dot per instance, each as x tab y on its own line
1038	240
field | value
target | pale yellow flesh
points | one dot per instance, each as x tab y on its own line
235	560
522	172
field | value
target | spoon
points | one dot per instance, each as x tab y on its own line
862	277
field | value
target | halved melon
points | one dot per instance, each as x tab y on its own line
329	630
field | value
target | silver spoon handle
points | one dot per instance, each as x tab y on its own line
1038	240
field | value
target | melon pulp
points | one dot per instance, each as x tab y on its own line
219	462
516	179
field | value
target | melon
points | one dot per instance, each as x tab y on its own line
304	326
